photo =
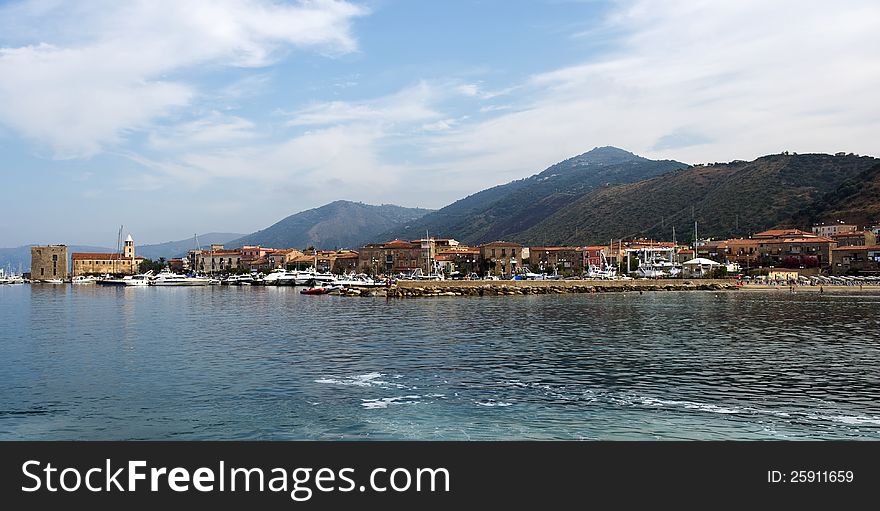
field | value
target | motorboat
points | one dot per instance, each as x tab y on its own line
318	288
136	280
530	276
174	279
304	278
360	280
84	279
141	279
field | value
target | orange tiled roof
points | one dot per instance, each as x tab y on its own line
858	247
88	256
782	232
501	244
399	243
554	249
811	239
209	253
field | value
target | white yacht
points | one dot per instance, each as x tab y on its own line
173	279
141	279
272	278
658	267
136	280
359	280
83	279
304	278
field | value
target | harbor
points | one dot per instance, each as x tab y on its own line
267	362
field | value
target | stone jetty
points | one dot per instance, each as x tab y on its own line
417	288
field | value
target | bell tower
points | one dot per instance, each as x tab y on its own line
128	250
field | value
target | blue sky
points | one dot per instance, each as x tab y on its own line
179	117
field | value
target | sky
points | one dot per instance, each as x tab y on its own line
173	118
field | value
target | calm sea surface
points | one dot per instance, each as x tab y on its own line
89	362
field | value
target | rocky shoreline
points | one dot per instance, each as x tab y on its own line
415	289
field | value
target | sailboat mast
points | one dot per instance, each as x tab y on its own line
118	255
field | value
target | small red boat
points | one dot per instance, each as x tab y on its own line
319	290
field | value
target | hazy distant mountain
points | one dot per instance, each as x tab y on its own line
732	199
503	211
20	257
179	248
340	224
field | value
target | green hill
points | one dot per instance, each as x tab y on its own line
340	224
504	211
732	199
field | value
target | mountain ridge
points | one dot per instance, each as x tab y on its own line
503	210
726	200
339	224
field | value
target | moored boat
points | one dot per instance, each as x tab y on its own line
173	279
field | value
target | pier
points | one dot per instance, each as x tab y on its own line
417	288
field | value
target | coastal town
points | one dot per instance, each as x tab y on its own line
839	250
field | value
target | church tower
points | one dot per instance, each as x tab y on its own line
128	251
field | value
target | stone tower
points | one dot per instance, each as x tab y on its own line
128	250
49	262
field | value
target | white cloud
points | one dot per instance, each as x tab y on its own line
696	81
104	71
209	131
408	105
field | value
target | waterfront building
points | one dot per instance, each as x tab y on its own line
396	256
864	260
336	261
98	263
49	262
592	256
280	258
684	254
854	238
501	258
833	228
215	260
793	248
178	265
562	260
459	258
716	250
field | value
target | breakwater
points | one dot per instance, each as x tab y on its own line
416	288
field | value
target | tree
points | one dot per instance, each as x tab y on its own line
150	265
